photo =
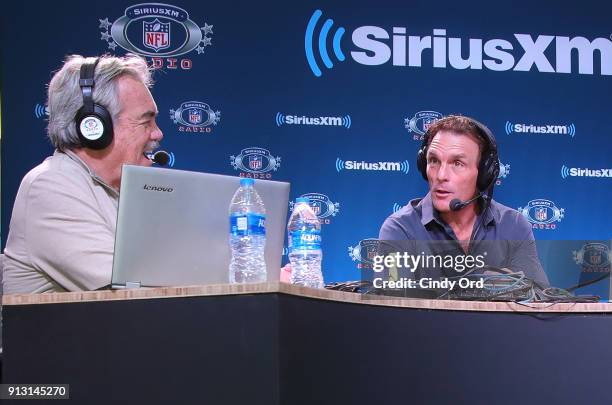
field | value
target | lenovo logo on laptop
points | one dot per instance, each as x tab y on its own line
158	188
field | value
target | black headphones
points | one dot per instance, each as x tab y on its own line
488	169
93	121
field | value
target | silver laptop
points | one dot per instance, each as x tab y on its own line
173	227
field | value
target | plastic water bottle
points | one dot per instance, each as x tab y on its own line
247	235
305	255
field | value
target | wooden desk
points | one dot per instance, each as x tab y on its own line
275	343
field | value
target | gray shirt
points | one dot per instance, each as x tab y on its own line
503	233
62	231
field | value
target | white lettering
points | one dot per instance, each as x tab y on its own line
534	53
474	60
492	49
381	52
416	45
501	54
586	50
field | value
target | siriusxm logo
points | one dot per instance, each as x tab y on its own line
363	252
593	257
540	129
420	123
504	171
160	31
255	162
403	167
322	206
578	172
377	46
397	207
195	116
282	119
40	111
542	213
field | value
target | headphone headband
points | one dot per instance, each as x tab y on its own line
93	121
488	168
87	83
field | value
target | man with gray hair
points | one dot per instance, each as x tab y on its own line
101	116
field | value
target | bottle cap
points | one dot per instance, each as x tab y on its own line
302	200
246	181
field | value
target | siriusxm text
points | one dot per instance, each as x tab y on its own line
388	166
523	53
156	11
578	172
303	120
541	129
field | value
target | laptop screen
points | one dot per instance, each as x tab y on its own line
173	227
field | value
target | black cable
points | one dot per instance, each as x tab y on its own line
589	282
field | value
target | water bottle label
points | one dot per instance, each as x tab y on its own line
247	224
309	240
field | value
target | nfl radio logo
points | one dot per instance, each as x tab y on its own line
594	257
156	35
541	214
427	122
195	116
255	162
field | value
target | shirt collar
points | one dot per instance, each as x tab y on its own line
84	165
429	213
427	210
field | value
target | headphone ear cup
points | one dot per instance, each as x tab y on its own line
488	171
422	161
95	129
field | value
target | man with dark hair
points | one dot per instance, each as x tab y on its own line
459	160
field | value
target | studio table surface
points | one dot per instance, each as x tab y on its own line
275	343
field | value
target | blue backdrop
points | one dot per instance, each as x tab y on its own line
334	96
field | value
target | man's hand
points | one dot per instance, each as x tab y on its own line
285	273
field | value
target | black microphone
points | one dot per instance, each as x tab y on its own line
161	157
456	204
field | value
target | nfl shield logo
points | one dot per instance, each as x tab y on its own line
316	207
371	254
255	162
595	258
427	122
541	214
195	116
156	35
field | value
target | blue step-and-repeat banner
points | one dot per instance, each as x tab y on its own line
334	97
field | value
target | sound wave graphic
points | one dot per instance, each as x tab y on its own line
322	43
171	160
346	121
40	111
339	164
405	166
280	119
396	207
564	171
572	130
509	127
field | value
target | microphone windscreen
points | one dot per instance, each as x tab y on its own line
161	157
455	204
